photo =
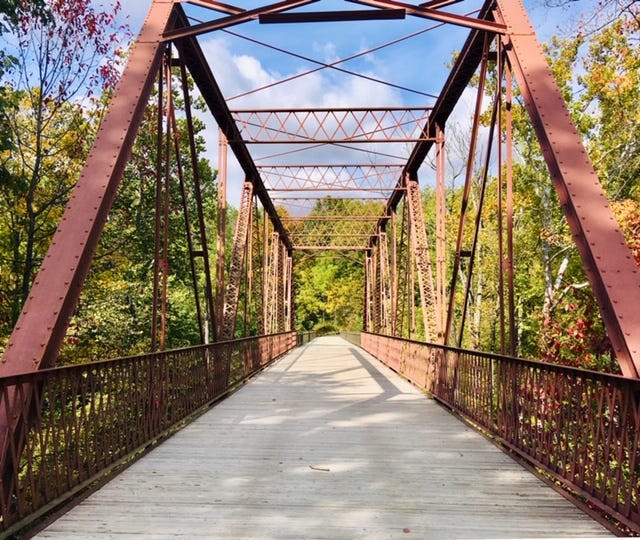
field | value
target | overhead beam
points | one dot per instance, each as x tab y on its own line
435	4
333	16
607	259
198	67
479	23
233	20
330	189
304	219
218	6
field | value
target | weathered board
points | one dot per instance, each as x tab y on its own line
327	443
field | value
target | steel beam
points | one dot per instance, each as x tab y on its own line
217	6
435	15
332	126
435	4
333	16
441	244
221	218
186	31
607	260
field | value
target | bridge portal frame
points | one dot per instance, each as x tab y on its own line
615	280
610	268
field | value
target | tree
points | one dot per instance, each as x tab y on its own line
11	11
65	59
604	13
329	294
114	313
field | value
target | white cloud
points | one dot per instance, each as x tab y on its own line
328	50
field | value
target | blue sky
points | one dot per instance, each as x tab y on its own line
418	63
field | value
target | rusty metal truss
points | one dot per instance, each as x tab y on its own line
339	179
345	179
313	126
377	178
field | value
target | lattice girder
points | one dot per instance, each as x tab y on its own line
340	177
313	126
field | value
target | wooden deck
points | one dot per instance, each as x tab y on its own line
327	443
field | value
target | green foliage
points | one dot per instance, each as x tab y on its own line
329	294
329	286
50	65
114	314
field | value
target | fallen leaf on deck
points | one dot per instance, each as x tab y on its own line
323	469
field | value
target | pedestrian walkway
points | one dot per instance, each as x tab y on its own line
326	443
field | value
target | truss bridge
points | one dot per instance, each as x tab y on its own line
393	429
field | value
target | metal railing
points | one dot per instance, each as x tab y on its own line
580	427
351	337
85	420
306	337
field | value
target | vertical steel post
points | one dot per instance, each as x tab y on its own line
271	288
423	258
288	293
232	292
266	291
282	286
375	283
513	336
384	283
500	194
411	269
247	280
441	244
368	322
394	273
221	237
404	291
466	191
258	268
165	224
211	327
158	212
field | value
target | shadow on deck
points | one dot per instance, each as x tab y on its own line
327	443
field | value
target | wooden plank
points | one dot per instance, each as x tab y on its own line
327	443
